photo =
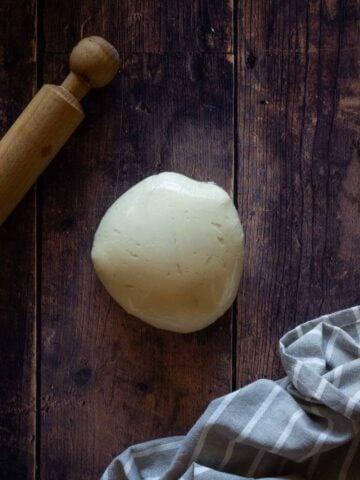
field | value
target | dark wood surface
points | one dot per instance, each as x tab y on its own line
261	97
18	78
298	170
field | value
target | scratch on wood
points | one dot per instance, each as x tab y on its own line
83	25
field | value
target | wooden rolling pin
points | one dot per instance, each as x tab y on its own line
50	119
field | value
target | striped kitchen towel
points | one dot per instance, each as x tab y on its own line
305	426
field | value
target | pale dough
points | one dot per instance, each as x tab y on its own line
170	252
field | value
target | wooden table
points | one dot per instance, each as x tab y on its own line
261	97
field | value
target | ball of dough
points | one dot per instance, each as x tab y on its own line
170	252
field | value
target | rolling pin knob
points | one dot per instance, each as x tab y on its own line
50	119
94	62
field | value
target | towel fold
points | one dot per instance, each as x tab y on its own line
305	426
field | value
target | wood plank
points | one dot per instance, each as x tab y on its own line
299	172
143	27
17	259
108	380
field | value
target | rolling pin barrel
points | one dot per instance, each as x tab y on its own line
50	119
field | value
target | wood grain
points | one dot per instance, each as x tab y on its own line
108	380
299	173
135	26
17	258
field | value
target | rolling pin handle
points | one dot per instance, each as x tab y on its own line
49	120
94	62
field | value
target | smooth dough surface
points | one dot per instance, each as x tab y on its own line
170	252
